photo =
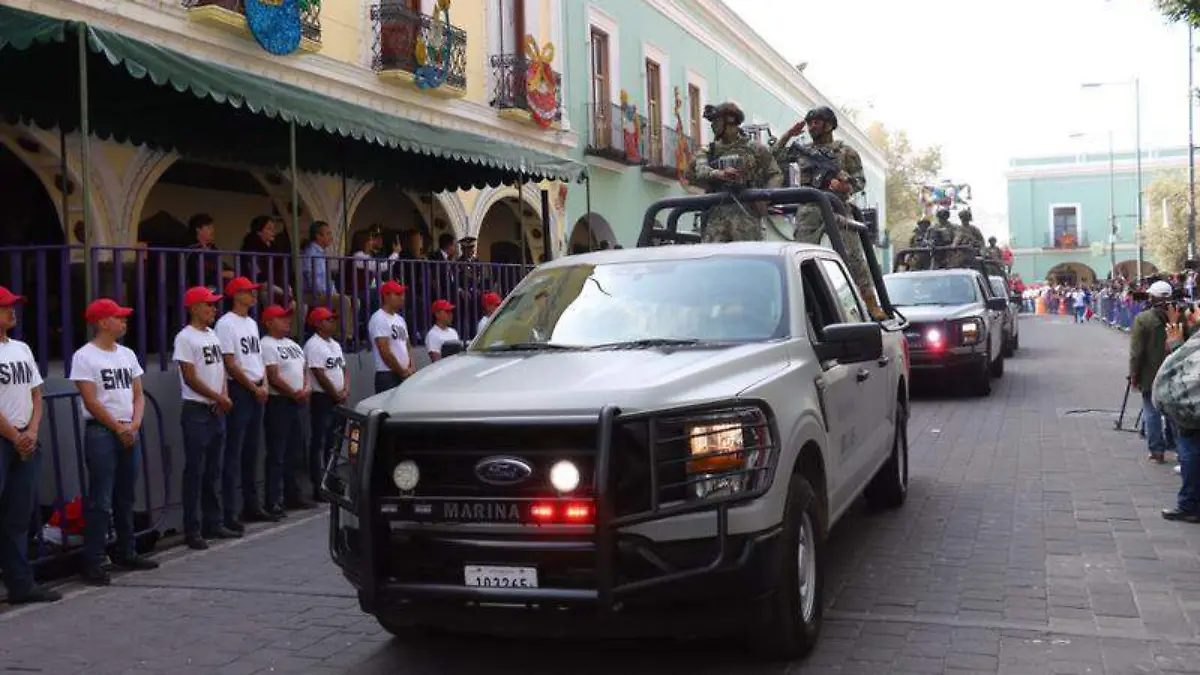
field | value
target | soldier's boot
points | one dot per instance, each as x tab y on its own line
873	307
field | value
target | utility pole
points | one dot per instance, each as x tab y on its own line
1137	96
1112	210
1191	224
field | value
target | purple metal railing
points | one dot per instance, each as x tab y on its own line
152	280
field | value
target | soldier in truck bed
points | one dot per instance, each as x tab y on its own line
733	162
832	166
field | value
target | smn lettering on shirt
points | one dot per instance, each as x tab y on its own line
288	352
116	378
249	345
397	332
16	372
212	354
335	363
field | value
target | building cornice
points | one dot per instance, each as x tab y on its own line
165	22
722	30
1096	168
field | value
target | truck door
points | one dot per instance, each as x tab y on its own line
874	395
837	390
995	319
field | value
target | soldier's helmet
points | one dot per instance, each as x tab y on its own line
943	214
991	241
965	216
712	112
823	113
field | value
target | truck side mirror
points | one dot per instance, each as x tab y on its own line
850	342
451	347
997	304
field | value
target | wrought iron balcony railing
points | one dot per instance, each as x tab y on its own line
616	135
1066	241
399	32
510	81
310	18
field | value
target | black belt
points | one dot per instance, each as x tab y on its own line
208	407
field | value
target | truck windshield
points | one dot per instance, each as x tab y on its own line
930	290
643	303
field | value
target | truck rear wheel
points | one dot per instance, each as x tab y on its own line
791	621
402	629
889	488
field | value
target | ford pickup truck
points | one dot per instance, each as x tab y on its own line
651	440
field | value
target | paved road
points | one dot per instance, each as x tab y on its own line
1031	544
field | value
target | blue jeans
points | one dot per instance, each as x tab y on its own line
203	438
18	497
242	427
320	419
282	421
112	482
1188	444
1152	420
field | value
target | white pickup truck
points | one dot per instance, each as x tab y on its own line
647	440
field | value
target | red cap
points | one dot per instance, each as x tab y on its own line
8	298
319	314
442	306
276	312
104	308
392	287
198	294
240	285
492	300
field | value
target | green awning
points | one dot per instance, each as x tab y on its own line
147	94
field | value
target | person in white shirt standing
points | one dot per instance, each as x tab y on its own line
205	394
241	348
491	301
330	387
20	457
390	343
109	379
440	332
282	420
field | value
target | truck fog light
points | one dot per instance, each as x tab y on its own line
406	475
564	476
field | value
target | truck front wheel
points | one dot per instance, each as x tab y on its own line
791	620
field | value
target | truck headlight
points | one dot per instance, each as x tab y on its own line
406	475
728	452
972	331
564	476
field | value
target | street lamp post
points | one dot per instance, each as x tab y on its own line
1137	111
1191	224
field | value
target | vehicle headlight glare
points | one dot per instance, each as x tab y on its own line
406	475
564	476
933	337
971	331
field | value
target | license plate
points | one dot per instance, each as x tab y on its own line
490	576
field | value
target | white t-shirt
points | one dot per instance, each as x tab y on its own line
482	324
392	327
202	349
288	355
19	376
112	373
326	355
438	336
239	337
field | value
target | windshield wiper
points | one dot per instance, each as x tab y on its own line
529	347
652	342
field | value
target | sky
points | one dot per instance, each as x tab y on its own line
988	81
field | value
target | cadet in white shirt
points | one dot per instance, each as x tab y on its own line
240	345
109	379
330	386
440	332
205	401
390	343
20	457
490	302
287	373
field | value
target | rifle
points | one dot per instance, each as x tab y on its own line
817	169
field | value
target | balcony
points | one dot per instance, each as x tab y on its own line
662	154
1067	241
611	137
510	96
399	36
231	15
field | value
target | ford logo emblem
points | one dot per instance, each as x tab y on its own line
503	470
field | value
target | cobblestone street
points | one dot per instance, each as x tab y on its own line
1031	543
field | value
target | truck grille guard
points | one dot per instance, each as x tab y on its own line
347	485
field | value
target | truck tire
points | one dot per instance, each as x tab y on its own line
402	629
981	381
889	488
1010	342
791	620
997	368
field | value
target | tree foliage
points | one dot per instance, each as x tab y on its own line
1180	10
908	168
1168	242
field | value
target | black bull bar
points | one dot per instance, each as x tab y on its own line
347	485
833	212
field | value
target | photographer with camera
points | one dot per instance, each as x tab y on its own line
733	162
1147	351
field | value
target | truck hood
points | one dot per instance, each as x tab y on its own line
927	313
470	384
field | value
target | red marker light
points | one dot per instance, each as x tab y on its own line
542	511
578	513
572	513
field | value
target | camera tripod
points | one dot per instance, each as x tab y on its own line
1137	422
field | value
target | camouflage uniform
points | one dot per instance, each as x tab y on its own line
994	253
736	221
919	239
941	233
